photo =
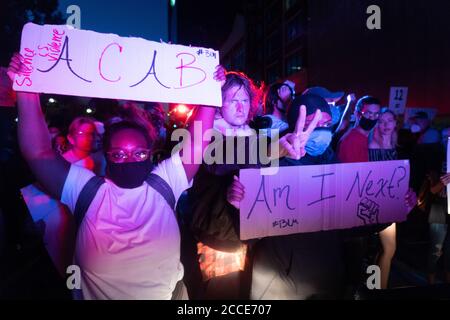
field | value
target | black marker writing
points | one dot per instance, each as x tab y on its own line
284	223
385	187
322	198
65	49
261	187
280	193
360	191
151	71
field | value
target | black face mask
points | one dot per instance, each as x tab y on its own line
367	124
129	175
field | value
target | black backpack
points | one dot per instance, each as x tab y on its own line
89	191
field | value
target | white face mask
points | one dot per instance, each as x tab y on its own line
415	128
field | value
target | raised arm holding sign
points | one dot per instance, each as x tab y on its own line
149	218
50	169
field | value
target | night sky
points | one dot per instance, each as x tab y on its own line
137	18
200	22
206	23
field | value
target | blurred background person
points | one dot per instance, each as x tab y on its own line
420	125
438	218
354	145
382	147
276	102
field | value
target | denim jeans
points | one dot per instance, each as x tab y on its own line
439	244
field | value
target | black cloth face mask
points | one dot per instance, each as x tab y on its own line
129	175
367	124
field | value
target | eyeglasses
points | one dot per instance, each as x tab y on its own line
370	114
137	155
82	133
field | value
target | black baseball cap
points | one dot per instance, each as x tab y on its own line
312	102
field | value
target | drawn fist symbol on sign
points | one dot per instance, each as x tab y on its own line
368	211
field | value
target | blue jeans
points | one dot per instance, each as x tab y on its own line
439	244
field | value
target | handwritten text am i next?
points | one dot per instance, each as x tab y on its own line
326	197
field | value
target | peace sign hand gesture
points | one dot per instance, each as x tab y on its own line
293	144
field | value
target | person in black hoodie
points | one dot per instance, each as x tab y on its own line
307	265
217	262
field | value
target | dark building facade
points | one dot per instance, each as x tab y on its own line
328	43
269	41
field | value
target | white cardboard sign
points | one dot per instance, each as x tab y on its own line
397	99
63	60
312	198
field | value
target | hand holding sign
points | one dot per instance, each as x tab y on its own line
410	199
235	193
15	66
293	144
220	75
445	179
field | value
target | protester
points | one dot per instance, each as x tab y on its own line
128	243
54	220
332	98
382	147
224	260
420	125
353	147
128	240
221	260
276	102
438	216
308	265
83	138
60	143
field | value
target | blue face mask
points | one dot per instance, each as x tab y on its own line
318	142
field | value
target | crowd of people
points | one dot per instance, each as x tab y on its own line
143	222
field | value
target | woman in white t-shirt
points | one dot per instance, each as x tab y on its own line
128	242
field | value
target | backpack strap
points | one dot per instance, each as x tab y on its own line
85	198
89	191
161	186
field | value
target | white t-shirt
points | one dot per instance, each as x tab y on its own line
128	245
